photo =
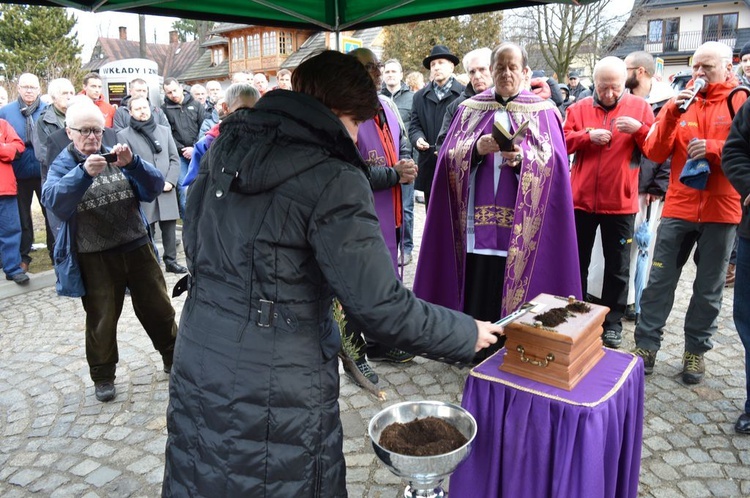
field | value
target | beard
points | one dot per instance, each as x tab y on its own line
631	83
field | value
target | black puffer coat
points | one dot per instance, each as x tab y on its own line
253	406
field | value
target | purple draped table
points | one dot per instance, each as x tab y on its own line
536	440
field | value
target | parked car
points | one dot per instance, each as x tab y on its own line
678	81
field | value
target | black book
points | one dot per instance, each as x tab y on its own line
505	139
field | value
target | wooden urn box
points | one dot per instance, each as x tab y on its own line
557	354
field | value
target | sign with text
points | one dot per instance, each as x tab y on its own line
348	44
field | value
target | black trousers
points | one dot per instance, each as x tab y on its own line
483	293
26	189
617	237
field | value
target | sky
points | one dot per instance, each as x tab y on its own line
91	26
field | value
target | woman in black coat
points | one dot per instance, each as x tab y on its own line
281	219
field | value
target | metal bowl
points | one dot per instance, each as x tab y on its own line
423	472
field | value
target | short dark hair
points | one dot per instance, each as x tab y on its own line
338	81
169	81
138	80
91	76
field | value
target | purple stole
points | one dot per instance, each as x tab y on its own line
531	216
371	149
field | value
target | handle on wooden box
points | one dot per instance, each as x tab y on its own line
539	363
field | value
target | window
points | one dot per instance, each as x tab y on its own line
286	43
269	43
720	26
253	46
238	48
666	31
217	56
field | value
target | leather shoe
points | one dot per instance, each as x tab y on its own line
104	390
19	278
743	424
175	268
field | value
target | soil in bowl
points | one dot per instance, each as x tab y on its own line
427	436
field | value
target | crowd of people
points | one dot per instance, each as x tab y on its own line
331	189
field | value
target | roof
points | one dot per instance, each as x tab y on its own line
317	43
172	58
203	70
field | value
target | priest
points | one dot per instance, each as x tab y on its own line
500	227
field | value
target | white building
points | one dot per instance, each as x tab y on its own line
673	29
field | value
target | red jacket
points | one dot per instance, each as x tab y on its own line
11	146
708	117
108	110
605	178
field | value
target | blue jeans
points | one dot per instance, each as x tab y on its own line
741	308
407	199
10	235
182	191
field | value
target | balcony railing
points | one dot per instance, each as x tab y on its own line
688	41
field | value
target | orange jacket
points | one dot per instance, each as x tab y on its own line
108	110
11	146
605	178
708	117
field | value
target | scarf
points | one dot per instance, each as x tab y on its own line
27	111
147	129
443	91
386	138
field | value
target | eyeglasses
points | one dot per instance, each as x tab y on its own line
28	88
88	131
371	66
631	68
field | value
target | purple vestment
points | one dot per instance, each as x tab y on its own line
532	221
371	149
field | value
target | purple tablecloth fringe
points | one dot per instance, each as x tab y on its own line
536	440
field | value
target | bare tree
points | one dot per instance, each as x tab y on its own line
561	37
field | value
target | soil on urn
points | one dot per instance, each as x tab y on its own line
428	436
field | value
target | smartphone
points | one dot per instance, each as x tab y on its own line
110	158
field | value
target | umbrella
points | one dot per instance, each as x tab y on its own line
331	15
642	240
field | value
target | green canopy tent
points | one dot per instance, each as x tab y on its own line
331	15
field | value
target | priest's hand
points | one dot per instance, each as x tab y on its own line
487	145
487	333
513	158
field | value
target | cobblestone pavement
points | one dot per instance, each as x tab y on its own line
56	440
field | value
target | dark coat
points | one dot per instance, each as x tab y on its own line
450	111
735	162
279	220
424	122
185	120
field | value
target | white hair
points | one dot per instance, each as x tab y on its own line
56	87
484	53
611	64
722	50
81	107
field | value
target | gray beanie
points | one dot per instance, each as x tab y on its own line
745	49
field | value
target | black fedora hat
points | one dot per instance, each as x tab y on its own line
439	52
